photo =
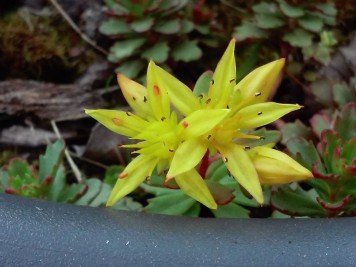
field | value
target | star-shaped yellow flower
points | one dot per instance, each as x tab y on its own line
159	134
248	110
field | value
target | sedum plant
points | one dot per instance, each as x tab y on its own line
179	142
49	182
299	28
157	30
332	161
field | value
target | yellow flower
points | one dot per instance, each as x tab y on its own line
248	110
159	135
275	167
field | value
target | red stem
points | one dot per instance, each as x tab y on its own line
204	165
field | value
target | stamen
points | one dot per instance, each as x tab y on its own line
209	136
208	101
123	175
200	96
144	99
171	150
247	147
156	90
232	80
227	106
148	178
225	159
116	121
134	98
212	82
128	113
185	124
259	113
257	93
163	118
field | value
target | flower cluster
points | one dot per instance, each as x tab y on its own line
213	122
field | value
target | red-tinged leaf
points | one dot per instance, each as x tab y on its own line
222	195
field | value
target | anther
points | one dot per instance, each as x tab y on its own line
226	159
156	90
259	113
128	113
134	98
212	82
200	96
247	147
232	80
144	99
163	118
208	101
123	175
116	121
171	150
257	93
227	106
185	124
209	136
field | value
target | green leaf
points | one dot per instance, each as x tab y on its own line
49	162
168	27
248	60
142	25
73	192
291	11
21	169
94	187
327	8
221	194
158	53
349	152
127	203
114	26
102	196
345	124
268	21
193	211
187	51
306	149
126	48
176	203
311	22
297	202
131	68
248	31
202	85
298	38
57	185
112	173
265	8
187	26
294	129
343	94
4	176
322	90
320	122
231	210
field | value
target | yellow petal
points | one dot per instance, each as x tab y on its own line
179	94
132	176
200	122
135	94
261	114
224	77
275	167
257	85
187	156
240	166
194	186
157	96
120	122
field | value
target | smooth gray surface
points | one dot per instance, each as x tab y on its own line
39	233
